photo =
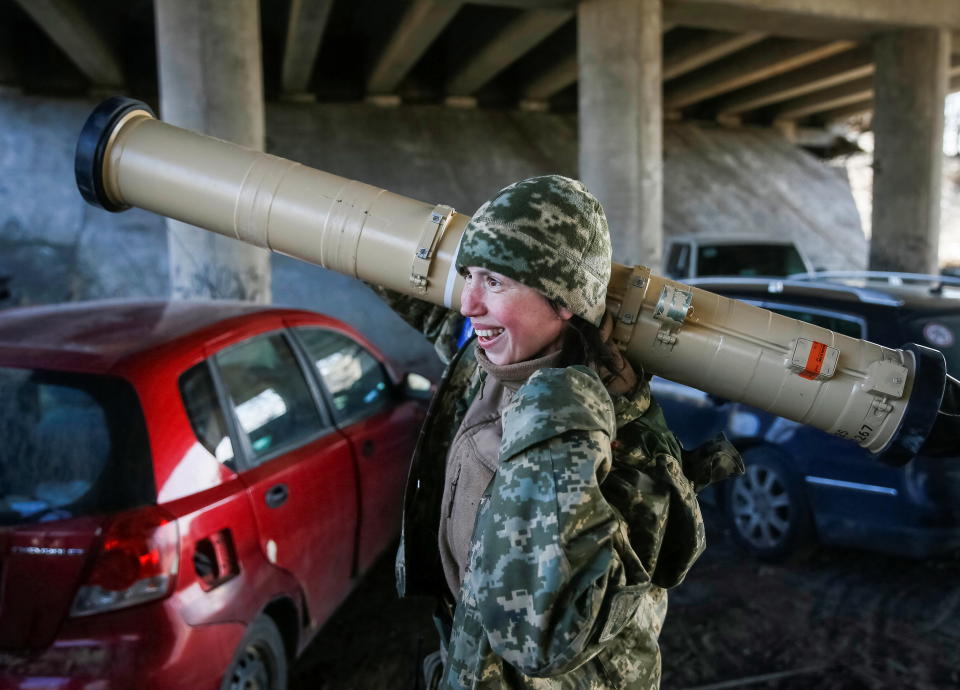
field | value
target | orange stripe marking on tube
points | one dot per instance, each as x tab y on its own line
818	352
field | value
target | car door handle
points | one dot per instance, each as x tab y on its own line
276	495
367	447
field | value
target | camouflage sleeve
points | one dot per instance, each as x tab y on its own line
648	487
545	569
653	485
440	325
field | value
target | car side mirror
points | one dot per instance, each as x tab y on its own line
417	386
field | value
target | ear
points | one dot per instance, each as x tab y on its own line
564	314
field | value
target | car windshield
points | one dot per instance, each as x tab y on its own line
749	260
941	331
72	445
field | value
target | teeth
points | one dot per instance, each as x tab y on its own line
489	333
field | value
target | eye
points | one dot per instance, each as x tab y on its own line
493	283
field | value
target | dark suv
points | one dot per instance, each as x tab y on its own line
803	485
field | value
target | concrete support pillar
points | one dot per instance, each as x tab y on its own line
211	80
621	120
909	90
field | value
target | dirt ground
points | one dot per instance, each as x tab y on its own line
841	620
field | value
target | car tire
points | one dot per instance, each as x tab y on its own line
260	662
766	510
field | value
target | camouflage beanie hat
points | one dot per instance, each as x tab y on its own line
548	233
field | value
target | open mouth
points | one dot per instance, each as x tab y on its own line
486	336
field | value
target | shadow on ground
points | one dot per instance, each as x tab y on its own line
842	620
372	639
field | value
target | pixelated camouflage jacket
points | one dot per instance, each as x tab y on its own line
589	517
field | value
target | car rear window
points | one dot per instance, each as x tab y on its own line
72	445
940	331
749	260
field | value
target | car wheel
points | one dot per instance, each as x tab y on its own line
766	510
260	662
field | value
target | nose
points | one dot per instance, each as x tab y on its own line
471	299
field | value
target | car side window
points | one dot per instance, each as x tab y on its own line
271	400
356	380
835	322
206	415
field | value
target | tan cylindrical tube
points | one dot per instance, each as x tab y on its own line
731	349
346	226
848	387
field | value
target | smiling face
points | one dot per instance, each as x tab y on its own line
513	322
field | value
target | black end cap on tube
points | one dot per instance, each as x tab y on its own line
930	379
92	145
944	438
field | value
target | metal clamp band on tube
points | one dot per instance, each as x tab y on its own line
852	388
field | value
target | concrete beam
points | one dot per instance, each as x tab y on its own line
508	45
561	75
419	27
71	30
827	99
703	50
846	111
866	106
305	26
526	4
705	15
844	67
755	64
932	13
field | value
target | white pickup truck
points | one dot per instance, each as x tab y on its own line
749	256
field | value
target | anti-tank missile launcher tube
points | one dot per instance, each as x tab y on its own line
346	226
887	400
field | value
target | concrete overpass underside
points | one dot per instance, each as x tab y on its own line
623	66
804	62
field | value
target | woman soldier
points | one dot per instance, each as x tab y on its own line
547	507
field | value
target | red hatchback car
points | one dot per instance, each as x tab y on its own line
188	490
